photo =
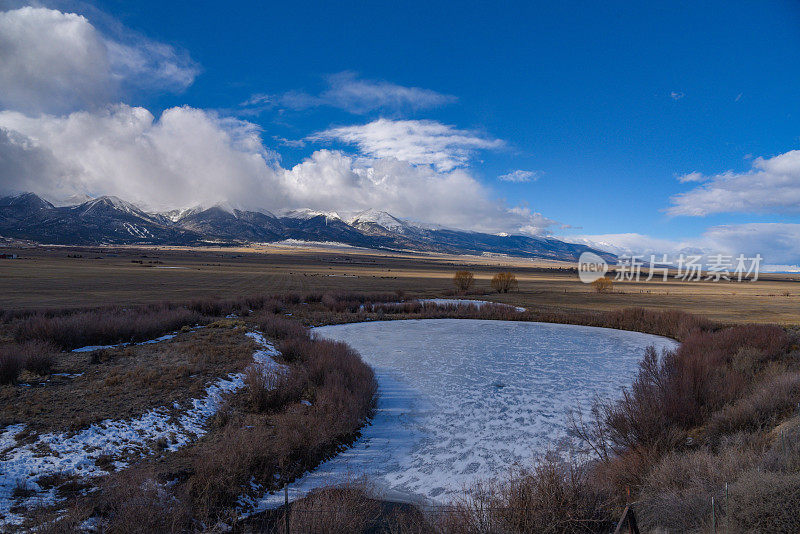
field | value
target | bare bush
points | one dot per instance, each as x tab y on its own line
769	402
504	282
603	285
342	391
676	495
133	501
38	356
348	508
11	363
103	327
270	389
552	497
463	280
278	327
765	502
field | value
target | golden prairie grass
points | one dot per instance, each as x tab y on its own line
46	278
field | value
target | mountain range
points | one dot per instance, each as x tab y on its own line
110	220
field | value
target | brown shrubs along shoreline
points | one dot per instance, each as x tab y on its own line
726	399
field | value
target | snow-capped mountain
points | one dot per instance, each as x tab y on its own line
306	214
366	219
111	220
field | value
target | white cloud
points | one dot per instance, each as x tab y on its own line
777	243
419	142
357	95
62	135
452	198
519	176
692	177
772	185
55	62
189	156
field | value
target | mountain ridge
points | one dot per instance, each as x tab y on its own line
114	221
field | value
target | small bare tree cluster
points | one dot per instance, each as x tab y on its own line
463	280
504	282
603	285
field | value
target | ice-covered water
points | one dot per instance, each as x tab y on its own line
462	400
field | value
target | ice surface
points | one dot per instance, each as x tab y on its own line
463	400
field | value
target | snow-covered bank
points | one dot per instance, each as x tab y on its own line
77	454
464	400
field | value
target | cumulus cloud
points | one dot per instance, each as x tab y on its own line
63	134
187	156
357	95
190	156
519	176
452	199
771	185
56	62
419	142
777	243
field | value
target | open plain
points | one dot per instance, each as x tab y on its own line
55	277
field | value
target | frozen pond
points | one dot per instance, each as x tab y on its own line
462	400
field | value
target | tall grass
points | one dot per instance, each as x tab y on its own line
105	327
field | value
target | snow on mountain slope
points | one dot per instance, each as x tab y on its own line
380	218
111	220
305	214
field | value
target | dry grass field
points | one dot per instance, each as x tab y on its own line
48	277
240	399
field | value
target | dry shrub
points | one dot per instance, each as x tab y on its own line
670	323
353	302
278	327
348	508
603	285
463	280
676	495
295	348
410	520
291	441
681	389
11	363
504	282
270	389
38	356
413	306
133	501
626	470
765	502
769	402
553	497
783	454
105	327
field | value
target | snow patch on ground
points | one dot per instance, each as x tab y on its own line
90	348
77	454
465	400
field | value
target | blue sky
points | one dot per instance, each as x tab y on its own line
601	107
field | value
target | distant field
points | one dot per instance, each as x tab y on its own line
47	277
